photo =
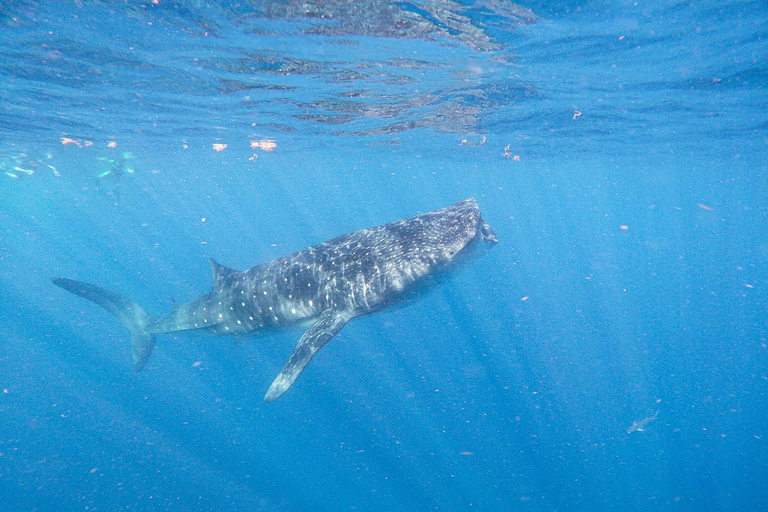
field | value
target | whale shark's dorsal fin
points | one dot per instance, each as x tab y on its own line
325	327
221	274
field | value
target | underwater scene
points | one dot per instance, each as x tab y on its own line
432	255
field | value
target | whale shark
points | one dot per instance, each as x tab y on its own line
325	285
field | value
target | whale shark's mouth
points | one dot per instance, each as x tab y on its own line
487	234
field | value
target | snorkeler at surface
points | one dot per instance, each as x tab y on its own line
113	170
18	163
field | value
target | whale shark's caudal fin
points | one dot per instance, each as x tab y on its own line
325	327
127	311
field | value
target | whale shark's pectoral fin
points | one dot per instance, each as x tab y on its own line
325	327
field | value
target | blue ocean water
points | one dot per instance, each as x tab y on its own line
618	149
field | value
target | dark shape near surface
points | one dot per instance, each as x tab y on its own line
327	284
639	425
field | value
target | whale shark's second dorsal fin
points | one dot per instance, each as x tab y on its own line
221	274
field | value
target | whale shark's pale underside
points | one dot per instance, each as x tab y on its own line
328	284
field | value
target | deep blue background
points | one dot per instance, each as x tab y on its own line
509	388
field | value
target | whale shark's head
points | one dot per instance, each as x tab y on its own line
465	220
418	253
453	232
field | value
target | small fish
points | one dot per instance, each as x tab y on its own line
639	425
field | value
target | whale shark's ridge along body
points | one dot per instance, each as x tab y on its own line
330	283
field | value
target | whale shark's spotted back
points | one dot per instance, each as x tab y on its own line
331	282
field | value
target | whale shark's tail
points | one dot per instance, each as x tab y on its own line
127	311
